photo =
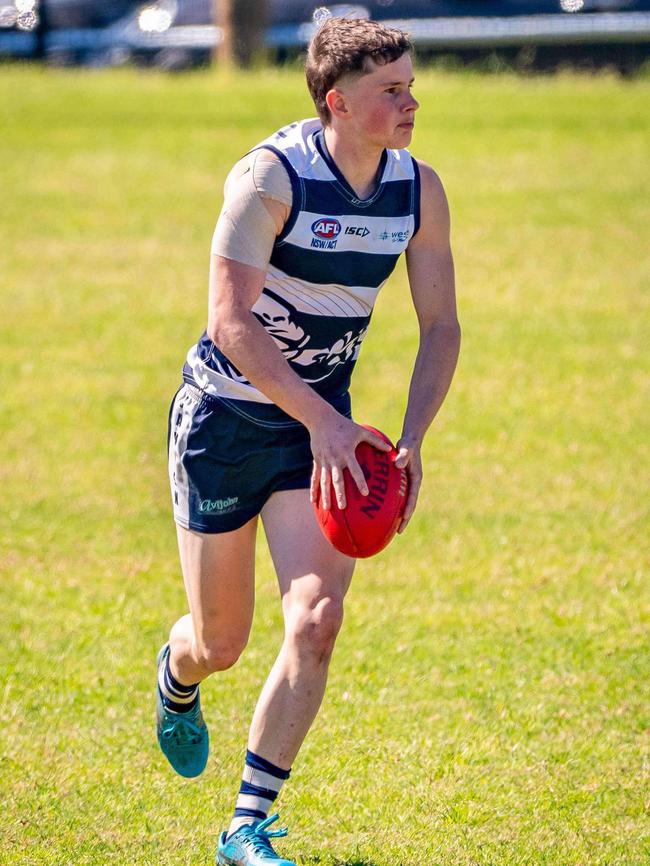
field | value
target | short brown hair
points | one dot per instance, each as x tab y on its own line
341	46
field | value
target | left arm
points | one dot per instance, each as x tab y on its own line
430	267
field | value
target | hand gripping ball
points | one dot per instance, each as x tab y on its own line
367	524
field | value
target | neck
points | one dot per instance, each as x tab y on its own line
357	161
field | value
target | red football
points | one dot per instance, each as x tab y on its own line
367	523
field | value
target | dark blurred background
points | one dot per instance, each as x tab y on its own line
181	34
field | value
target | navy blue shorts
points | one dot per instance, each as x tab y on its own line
225	462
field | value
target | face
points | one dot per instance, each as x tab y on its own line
378	106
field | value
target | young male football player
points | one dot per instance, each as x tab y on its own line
314	220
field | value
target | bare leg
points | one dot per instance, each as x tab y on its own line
219	576
313	579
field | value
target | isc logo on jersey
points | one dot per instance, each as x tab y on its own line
326	231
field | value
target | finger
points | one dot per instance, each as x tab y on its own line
403	457
325	488
313	487
408	512
339	487
403	525
358	477
375	441
411	502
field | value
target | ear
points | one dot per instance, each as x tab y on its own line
336	103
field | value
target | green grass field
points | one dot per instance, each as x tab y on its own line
489	697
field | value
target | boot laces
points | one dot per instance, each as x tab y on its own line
183	732
259	836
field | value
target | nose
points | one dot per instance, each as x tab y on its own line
411	103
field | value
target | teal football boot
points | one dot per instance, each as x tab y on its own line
183	737
250	846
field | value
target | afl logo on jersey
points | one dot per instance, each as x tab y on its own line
326	228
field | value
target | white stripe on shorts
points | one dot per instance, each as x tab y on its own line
185	406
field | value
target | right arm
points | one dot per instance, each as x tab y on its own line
234	328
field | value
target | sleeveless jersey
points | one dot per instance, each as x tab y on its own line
326	269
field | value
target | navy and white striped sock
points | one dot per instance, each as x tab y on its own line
260	785
175	696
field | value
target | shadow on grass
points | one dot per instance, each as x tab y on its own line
352	861
355	862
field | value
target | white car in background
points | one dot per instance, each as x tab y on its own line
176	34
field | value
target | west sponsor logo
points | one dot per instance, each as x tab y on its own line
395	237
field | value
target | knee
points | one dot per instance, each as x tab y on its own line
218	654
313	629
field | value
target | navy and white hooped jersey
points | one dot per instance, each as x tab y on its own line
326	269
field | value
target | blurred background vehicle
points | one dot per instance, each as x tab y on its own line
62	30
177	34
